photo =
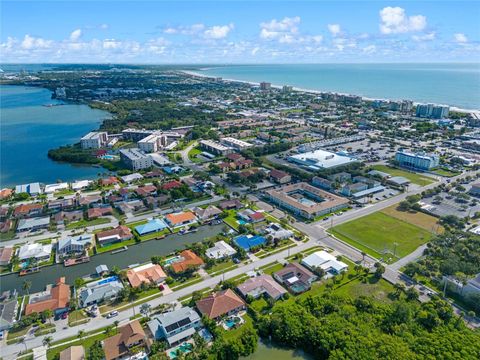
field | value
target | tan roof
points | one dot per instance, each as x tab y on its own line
190	259
73	353
219	304
59	298
128	335
145	274
122	231
6	254
26	208
180	218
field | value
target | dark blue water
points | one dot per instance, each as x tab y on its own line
28	130
451	84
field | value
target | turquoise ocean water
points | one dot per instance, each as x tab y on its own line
28	130
451	84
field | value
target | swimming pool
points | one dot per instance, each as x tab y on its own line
241	222
107	280
172	260
183	348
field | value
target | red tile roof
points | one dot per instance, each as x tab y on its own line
59	298
171	185
190	259
25	209
97	212
219	304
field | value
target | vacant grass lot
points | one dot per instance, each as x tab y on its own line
85	223
422	220
378	232
421	180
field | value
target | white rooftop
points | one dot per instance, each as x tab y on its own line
321	159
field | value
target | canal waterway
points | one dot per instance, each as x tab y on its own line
135	254
267	350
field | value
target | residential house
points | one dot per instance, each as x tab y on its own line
96	212
120	233
6	254
262	285
174	184
175	220
76	352
251	216
99	291
112	180
277	232
279	176
25	210
189	260
5	193
129	336
295	278
33	224
220	250
88	200
207	214
325	261
148	274
146	190
152	226
61	204
175	326
233	204
131	178
36	251
55	298
222	303
8	309
70	216
74	245
249	241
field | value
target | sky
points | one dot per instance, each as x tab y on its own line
223	32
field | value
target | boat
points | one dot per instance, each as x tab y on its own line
30	271
81	260
122	249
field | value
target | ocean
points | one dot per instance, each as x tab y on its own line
456	85
28	130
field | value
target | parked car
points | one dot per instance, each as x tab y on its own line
112	314
64	315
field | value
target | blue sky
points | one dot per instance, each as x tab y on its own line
239	32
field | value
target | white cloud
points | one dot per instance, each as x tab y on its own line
75	35
370	49
334	29
460	38
426	37
279	29
104	26
32	43
255	50
218	31
185	30
317	38
393	20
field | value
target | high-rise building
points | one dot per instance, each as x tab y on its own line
440	112
135	159
417	161
265	85
432	111
94	140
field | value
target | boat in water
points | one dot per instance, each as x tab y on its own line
30	271
124	248
81	260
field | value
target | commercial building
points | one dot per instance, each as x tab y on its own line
136	134
135	159
265	85
325	261
215	147
235	143
152	143
417	161
175	326
220	250
260	286
321	159
55	298
94	140
306	200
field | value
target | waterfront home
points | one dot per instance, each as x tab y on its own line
81	184
5	193
131	178
99	291
60	217
146	274
32	189
188	261
61	204
279	176
260	286
230	204
120	233
33	224
152	226
88	200
207	214
74	245
25	210
220	250
185	218
251	216
36	251
8	309
247	242
295	278
6	254
222	303
146	190
112	180
96	212
175	326
55	298
129	336
325	261
76	352
51	188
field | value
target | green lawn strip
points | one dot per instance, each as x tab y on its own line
187	283
378	289
446	173
123	305
186	299
115	246
13	335
231	220
86	223
221	267
136	223
192	154
158	234
76	316
259	304
305	252
46	329
413	177
277	250
273	268
379	231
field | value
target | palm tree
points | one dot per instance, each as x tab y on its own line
81	334
47	341
26	286
363	257
116	322
145	309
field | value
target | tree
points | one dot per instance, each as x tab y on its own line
412	294
380	269
81	334
26	286
47	341
145	309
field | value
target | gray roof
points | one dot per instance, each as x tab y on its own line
83	240
8	310
97	292
173	319
24	224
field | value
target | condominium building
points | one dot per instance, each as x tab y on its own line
94	140
417	161
215	147
152	143
235	143
135	159
432	111
265	85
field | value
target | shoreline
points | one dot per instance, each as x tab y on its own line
318	92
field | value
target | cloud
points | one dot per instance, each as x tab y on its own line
334	29
194	29
255	50
393	20
426	37
370	49
75	35
460	38
218	31
31	43
279	29
103	26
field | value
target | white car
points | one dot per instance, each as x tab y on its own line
112	314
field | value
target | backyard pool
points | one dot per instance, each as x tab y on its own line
242	222
232	322
183	348
172	260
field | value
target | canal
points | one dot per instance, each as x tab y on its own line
135	254
267	350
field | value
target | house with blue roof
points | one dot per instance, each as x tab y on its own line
247	242
152	226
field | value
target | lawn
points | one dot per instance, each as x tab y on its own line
271	268
231	220
413	177
85	223
77	316
446	173
118	245
422	220
259	304
158	234
192	154
379	290
221	267
378	233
